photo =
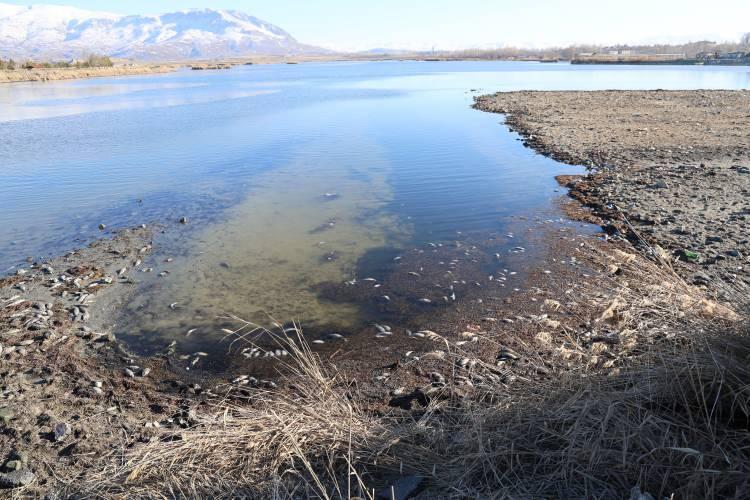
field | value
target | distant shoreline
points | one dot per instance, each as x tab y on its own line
55	74
666	62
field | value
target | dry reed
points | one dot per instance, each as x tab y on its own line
673	421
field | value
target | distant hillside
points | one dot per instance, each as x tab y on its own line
57	32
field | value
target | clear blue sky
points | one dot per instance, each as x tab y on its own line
359	24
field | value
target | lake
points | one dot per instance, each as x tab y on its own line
292	178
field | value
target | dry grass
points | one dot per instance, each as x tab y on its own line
672	420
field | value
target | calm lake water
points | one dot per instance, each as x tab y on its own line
248	155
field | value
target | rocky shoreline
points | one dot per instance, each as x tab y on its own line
668	169
464	329
74	398
53	74
70	391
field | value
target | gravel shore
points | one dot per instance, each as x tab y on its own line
669	169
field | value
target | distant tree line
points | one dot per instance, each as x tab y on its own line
690	50
92	61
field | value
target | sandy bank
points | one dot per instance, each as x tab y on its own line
43	74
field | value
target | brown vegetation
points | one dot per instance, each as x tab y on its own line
673	420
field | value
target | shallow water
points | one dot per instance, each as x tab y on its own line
248	155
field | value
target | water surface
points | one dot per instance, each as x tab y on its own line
291	176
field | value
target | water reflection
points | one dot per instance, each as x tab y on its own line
248	154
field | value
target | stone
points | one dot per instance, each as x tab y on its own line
6	415
16	479
13	465
102	227
61	430
183	220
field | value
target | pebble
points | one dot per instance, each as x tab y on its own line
6	415
61	430
17	478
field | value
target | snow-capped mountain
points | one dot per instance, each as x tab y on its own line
58	32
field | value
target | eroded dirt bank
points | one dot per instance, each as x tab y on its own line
671	167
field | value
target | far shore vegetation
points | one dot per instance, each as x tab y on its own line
92	61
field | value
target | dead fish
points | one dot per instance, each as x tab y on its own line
174	305
227	330
122	271
201	354
318	342
190	332
412	273
386	298
396	259
369	279
425	301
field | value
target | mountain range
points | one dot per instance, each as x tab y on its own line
59	32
